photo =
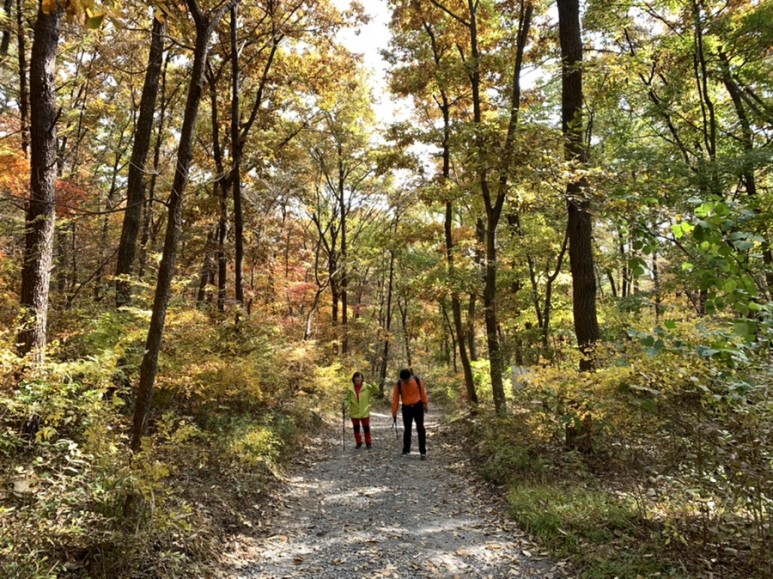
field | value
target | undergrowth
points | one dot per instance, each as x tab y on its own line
677	476
230	405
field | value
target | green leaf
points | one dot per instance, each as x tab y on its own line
95	22
746	329
706	352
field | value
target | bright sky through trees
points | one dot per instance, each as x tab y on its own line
369	40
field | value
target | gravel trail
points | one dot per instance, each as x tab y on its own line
353	513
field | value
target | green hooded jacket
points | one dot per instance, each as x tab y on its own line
359	408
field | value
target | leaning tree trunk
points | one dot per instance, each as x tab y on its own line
135	189
41	211
149	367
147	235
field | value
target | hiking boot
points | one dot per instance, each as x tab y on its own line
368	446
404	453
423	457
358	445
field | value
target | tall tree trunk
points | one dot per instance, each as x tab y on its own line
149	366
109	204
480	260
23	96
222	187
449	350
747	167
147	236
579	225
548	306
41	211
206	268
236	178
494	200
344	249
456	306
402	305
222	253
135	189
387	324
657	290
5	42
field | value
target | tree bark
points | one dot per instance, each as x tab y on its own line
5	42
344	273
579	218
135	189
23	96
222	187
147	235
456	306
387	324
236	180
747	171
41	211
206	269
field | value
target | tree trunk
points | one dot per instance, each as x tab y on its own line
387	324
494	200
579	218
402	304
747	168
449	350
456	311
135	188
222	187
41	211
456	307
206	268
236	179
5	42
149	366
109	204
23	96
344	273
147	236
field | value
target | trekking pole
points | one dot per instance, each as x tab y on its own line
394	427
343	426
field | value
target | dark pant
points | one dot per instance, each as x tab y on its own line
411	413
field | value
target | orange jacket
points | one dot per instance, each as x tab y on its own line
411	394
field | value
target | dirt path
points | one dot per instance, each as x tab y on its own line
372	513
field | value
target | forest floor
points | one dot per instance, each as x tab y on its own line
346	512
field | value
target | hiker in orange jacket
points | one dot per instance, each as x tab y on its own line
412	392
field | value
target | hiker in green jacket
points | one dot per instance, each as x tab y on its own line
357	404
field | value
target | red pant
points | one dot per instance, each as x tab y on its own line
365	426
